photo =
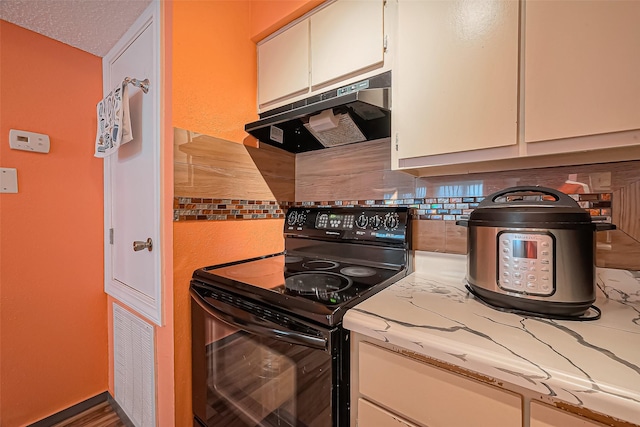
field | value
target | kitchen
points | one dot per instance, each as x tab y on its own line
212	97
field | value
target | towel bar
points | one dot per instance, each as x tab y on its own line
142	84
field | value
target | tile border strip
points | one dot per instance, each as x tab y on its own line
436	208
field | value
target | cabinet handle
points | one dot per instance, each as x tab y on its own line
138	245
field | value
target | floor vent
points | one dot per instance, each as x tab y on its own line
134	373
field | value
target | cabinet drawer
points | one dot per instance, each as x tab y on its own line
547	416
370	415
432	396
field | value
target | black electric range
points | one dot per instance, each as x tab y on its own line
268	347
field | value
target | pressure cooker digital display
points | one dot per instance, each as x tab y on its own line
525	263
525	249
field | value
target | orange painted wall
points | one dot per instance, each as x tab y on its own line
268	16
53	341
214	92
214	71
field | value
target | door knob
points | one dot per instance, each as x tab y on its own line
138	245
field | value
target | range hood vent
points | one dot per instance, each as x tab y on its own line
354	113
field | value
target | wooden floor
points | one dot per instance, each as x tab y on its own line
101	415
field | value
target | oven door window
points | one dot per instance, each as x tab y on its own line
243	379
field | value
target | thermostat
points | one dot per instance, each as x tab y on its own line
29	141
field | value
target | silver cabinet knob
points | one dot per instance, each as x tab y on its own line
138	245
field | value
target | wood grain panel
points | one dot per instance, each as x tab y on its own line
616	249
352	172
198	181
629	204
455	238
621	174
346	159
363	186
211	167
428	235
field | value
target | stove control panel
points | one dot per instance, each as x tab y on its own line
349	223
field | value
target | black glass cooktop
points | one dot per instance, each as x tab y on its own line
313	287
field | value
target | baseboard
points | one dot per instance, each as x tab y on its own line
125	419
81	407
72	411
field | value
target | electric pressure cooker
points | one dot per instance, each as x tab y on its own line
532	249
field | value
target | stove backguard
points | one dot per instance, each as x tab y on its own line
366	236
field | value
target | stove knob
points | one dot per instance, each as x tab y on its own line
375	222
292	218
391	221
362	221
302	217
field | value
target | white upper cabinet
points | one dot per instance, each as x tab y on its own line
455	76
336	44
346	37
582	68
283	64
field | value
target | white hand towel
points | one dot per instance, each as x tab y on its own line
114	121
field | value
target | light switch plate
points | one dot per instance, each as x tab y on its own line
29	141
8	180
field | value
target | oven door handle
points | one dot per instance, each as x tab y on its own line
251	323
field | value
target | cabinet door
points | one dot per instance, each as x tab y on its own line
133	183
582	62
432	396
546	416
455	76
370	415
283	64
346	37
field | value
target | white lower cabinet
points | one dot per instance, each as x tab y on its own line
543	415
393	389
371	415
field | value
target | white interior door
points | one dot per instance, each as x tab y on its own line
132	175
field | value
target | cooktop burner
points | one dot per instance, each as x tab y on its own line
323	285
320	265
358	271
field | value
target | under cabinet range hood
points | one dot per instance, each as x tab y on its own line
354	113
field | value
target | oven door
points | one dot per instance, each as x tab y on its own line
253	366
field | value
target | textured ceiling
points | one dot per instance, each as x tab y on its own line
94	26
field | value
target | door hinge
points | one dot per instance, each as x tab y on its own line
111	236
385	43
397	139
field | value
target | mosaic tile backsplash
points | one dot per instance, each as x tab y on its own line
441	208
201	209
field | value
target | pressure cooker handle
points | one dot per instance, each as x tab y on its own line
561	199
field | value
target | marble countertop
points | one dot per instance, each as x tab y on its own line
595	364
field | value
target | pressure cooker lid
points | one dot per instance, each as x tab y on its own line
530	206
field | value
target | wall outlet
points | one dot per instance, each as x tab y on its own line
600	181
29	141
8	180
